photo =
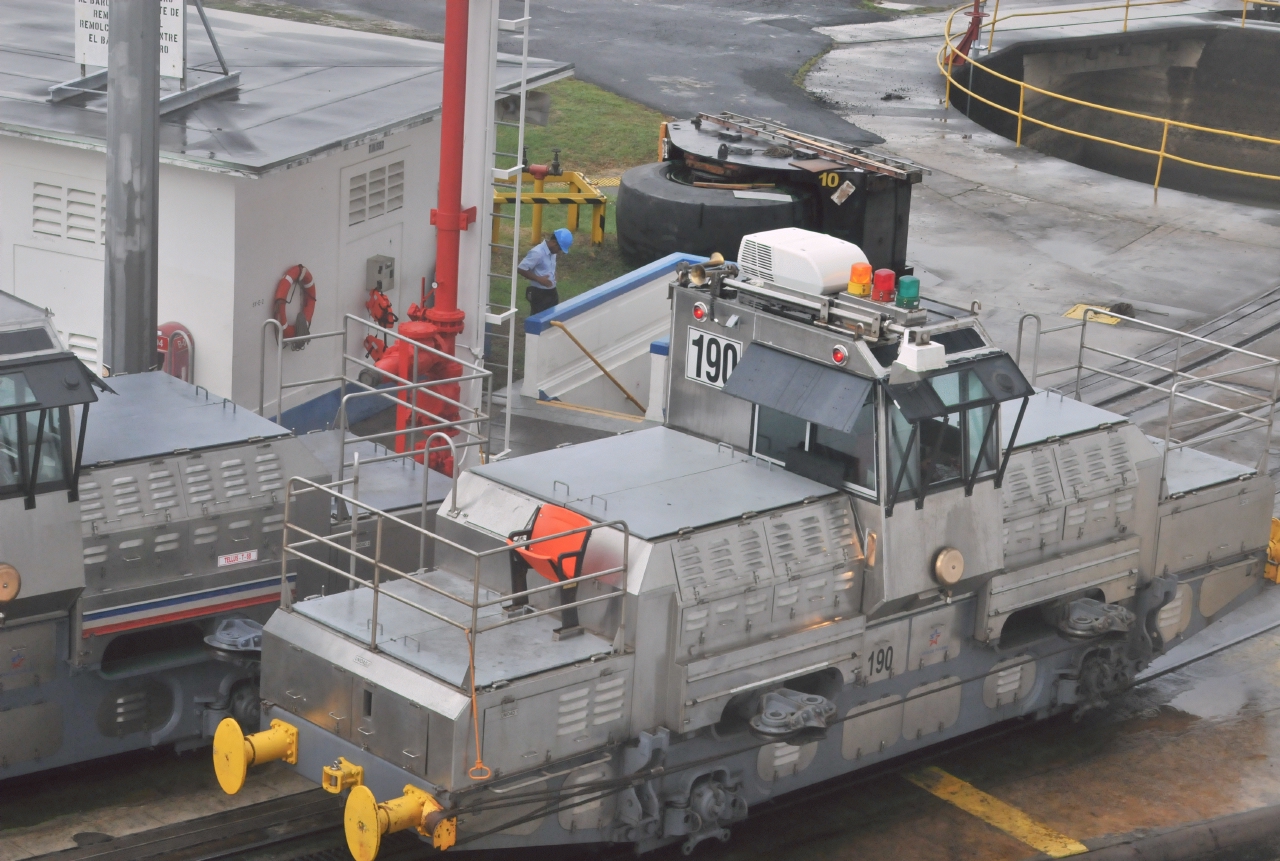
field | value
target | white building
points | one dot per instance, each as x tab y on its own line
326	155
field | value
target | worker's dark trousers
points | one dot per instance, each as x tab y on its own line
541	298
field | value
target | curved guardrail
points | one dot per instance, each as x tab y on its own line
946	64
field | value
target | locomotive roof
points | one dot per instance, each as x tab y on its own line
657	480
154	414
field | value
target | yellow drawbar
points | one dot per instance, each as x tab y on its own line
365	820
233	752
1273	553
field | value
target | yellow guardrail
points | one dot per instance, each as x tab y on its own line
946	57
1244	7
580	193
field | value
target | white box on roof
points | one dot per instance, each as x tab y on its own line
799	259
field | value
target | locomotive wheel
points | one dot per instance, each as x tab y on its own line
657	216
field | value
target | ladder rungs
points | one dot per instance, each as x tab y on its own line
499	245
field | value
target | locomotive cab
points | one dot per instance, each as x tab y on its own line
45	393
829	386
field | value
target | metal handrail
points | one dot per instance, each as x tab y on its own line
1257	411
471	425
945	60
298	486
626	393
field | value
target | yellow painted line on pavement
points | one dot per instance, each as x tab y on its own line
996	813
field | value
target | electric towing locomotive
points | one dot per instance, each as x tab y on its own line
859	532
140	525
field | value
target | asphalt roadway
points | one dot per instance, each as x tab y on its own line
680	58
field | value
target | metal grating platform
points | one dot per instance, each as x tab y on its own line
437	648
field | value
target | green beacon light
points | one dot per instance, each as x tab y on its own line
908	292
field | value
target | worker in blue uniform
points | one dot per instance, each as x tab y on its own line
539	266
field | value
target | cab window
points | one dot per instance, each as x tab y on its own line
820	453
943	426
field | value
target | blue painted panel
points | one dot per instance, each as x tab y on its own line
661	347
319	413
536	324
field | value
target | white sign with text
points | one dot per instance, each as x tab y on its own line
93	22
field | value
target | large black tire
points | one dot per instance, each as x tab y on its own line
658	216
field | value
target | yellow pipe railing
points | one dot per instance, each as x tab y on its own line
995	13
1244	7
945	61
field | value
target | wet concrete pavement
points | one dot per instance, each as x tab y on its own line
680	58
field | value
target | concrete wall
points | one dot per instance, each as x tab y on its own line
617	322
303	215
1209	75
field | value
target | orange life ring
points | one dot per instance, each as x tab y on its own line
295	276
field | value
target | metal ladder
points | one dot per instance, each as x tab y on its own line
500	316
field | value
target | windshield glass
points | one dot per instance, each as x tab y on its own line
18	432
823	454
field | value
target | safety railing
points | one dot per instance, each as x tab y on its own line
1185	369
359	379
300	543
946	61
1244	7
580	192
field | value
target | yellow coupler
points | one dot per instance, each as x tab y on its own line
1273	553
341	776
366	820
234	752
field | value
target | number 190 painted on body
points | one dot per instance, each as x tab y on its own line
709	358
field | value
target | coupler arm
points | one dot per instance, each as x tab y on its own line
234	752
365	820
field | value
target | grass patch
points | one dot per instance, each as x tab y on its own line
290	12
599	134
803	72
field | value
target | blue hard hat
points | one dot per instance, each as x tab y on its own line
564	238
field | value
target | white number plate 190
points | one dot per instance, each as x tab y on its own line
709	358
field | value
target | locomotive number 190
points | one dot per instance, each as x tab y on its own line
709	358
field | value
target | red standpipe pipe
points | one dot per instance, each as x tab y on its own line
439	325
448	217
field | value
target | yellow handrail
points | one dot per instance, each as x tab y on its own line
947	53
995	13
1244	7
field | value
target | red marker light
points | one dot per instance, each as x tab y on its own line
699	311
839	354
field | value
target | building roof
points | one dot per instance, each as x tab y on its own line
304	89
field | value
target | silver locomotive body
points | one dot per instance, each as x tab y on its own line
153	517
863	533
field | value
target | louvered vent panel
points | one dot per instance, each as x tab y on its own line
811	537
46	209
395	186
375	193
357	199
721	560
756	259
68	213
